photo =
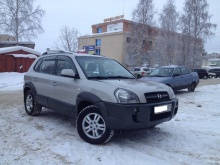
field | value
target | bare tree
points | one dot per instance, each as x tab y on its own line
197	28
168	27
141	34
20	18
68	39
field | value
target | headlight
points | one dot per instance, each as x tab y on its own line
126	97
172	95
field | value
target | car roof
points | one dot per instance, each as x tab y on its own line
60	53
171	66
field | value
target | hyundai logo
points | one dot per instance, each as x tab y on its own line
159	96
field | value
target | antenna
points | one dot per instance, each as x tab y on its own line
123	7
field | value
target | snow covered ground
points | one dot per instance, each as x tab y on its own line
11	81
192	137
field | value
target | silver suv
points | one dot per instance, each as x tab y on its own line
98	92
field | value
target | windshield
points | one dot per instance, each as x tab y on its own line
162	72
102	68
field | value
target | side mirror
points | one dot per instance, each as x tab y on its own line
68	73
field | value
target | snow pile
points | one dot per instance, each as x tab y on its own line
11	81
17	48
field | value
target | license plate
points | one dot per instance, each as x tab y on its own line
161	109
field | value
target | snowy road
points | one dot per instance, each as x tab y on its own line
192	137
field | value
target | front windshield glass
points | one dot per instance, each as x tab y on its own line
162	72
102	68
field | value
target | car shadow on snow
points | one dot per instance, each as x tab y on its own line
51	116
182	92
145	136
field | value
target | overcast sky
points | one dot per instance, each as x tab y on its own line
81	14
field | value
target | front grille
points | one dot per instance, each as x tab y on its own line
155	97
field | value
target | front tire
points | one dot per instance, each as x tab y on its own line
92	127
31	106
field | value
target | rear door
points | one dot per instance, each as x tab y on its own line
187	76
177	82
44	71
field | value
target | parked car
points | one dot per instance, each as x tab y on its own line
203	73
140	71
177	77
151	69
216	71
211	75
98	92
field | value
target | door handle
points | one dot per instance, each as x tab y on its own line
53	83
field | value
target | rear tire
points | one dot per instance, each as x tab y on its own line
91	126
31	106
192	87
138	76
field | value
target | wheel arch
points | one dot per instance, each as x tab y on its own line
85	99
29	86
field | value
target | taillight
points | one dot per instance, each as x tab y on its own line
142	73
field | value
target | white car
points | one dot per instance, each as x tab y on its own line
140	71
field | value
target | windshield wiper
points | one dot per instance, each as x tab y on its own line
157	76
121	77
98	77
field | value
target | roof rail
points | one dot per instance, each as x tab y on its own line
55	52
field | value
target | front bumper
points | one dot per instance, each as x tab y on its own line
135	116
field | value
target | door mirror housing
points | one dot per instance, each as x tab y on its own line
68	73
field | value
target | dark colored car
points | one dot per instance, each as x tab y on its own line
203	73
216	71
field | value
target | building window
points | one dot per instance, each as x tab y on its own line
97	51
99	30
128	39
98	42
150	43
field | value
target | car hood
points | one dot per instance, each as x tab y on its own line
137	86
156	79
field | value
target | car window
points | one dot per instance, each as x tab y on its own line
102	68
37	66
177	71
137	69
162	72
184	70
145	69
47	66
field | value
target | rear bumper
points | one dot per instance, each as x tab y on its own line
135	116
